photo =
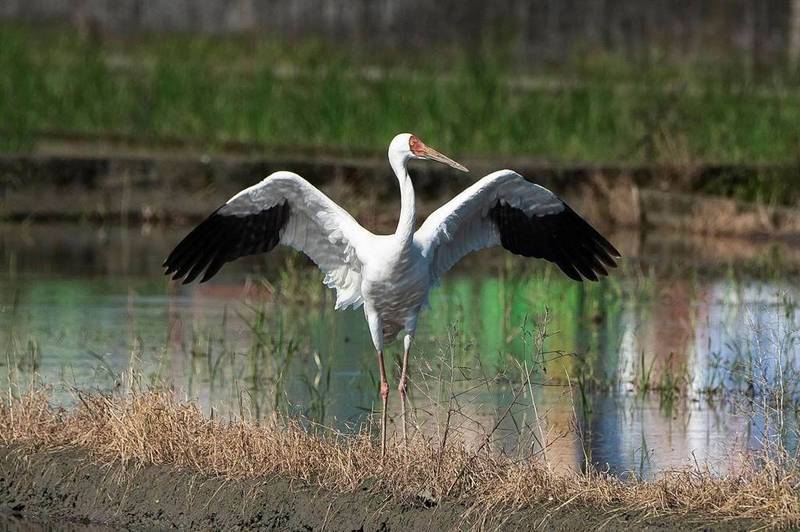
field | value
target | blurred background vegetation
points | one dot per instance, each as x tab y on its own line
664	82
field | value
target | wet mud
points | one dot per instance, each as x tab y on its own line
68	487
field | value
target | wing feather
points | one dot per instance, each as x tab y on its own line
284	208
505	209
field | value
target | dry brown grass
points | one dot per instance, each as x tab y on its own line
155	428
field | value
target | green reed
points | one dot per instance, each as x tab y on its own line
211	91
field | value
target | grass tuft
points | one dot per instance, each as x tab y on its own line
152	427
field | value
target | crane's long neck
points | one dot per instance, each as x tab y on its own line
405	226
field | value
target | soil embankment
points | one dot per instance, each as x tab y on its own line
89	180
67	485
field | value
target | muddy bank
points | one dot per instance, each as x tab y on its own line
66	485
119	182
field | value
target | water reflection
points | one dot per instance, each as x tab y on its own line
79	307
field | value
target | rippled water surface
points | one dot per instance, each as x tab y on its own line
659	366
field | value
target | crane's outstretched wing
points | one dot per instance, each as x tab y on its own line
283	208
526	219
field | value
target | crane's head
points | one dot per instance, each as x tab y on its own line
408	146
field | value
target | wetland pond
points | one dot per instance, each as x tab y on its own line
679	359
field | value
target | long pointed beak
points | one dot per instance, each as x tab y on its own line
430	153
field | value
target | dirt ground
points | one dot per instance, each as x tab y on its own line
69	487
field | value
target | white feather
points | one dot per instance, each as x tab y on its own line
317	226
462	226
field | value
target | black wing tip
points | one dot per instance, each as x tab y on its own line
172	270
221	238
563	238
575	277
611	250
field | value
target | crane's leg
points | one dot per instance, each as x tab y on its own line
384	400
402	387
376	331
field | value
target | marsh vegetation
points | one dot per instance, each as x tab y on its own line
144	429
664	366
212	91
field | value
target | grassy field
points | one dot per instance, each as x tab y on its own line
153	429
247	89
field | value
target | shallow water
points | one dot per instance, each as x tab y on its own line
658	367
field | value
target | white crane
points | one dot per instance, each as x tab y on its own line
391	275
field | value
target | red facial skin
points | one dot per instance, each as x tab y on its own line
417	146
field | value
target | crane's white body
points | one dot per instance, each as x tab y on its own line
390	275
